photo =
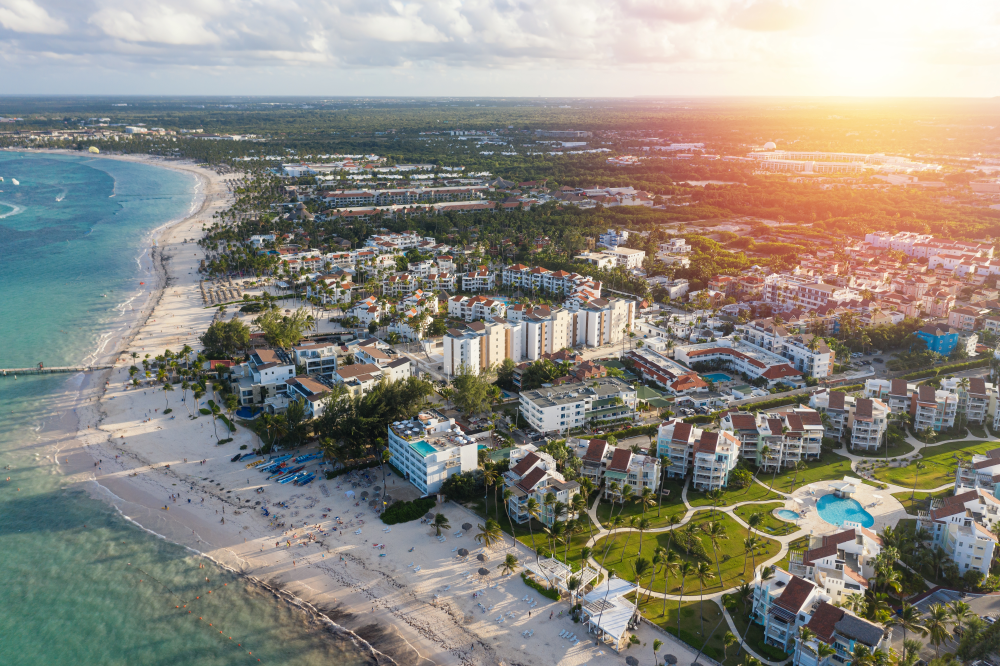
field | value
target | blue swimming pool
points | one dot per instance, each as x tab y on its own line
835	510
717	377
786	514
423	448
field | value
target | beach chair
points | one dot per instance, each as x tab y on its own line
562	633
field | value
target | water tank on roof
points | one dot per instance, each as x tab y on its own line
770	146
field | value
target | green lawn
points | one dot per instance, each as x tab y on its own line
691	615
940	463
755	492
977	430
919	501
671	505
830	466
624	548
770	525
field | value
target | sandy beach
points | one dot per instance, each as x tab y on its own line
406	595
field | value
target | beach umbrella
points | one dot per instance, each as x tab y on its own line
364	494
631	661
483	571
670	659
429	516
466	526
462	552
378	489
481	557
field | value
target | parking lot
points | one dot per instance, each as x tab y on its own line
982	605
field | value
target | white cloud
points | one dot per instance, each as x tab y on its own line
153	22
27	17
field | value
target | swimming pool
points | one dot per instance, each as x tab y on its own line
717	377
835	510
786	514
423	448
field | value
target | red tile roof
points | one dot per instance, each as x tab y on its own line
529	482
595	450
823	620
525	464
795	594
620	460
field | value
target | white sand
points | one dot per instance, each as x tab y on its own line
404	613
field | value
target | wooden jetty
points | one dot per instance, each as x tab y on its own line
10	372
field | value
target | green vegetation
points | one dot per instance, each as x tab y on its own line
921	500
404	512
672	505
754	493
735	562
769	524
830	466
225	339
692	614
939	462
548	592
947	369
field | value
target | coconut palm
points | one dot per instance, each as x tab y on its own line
805	635
959	612
728	641
632	521
672	522
579	504
643	525
861	655
507	495
916	472
441	523
167	389
658	554
716	533
823	652
626	496
749	547
704	573
907	618
490	533
509	564
937	622
533	510
491	477
754	521
646	499
686	569
640	567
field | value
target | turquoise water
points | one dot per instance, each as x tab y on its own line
717	377
81	584
423	448
835	510
786	514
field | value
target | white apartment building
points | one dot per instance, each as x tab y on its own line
429	448
935	409
480	345
312	393
804	292
790	434
709	456
317	358
839	409
807	353
842	631
533	474
627	257
602	461
783	604
471	308
961	526
401	284
393	365
743	357
604	321
675	246
977	402
268	367
871	420
478	280
359	378
561	408
613	238
895	393
842	563
924	245
599	259
440	281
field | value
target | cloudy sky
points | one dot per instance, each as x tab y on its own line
501	47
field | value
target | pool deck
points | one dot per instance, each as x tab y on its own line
887	512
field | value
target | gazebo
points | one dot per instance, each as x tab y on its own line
558	573
607	613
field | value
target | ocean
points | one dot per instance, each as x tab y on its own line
81	584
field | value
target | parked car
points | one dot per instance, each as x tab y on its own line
988	619
877	360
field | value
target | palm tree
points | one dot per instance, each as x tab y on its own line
441	523
823	652
643	526
626	496
799	466
749	547
672	522
490	533
657	644
937	626
507	495
491	477
167	389
754	521
916	471
861	655
765	451
671	565
805	635
658	554
686	569
579	504
613	489
533	510
509	564
572	527
728	640
716	533
640	567
959	612
907	618
647	498
704	573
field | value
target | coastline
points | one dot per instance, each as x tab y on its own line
126	452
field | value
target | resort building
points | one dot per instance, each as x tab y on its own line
621	466
561	408
961	526
933	408
607	612
977	398
738	356
804	292
871	420
359	378
791	435
393	365
709	456
940	339
317	358
480	345
783	604
840	563
656	367
478	280
838	408
841	630
471	308
429	448
626	257
533	474
312	392
807	353
895	393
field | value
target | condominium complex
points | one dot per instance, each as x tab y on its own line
561	408
790	435
709	456
533	475
807	353
961	526
602	461
866	419
480	345
840	563
743	357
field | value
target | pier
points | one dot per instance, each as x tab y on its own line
10	372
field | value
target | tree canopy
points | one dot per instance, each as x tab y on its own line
225	339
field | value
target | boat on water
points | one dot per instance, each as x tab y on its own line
15	181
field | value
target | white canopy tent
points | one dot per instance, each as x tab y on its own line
558	574
607	612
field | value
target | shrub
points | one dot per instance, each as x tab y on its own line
547	592
225	441
243	447
168	410
205	411
769	651
404	512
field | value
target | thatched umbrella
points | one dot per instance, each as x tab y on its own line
466	526
372	503
462	552
631	661
483	571
429	516
481	557
364	494
377	489
670	659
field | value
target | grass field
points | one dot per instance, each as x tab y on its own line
691	615
672	505
919	501
735	562
940	463
755	492
770	525
830	466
